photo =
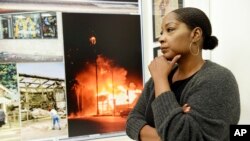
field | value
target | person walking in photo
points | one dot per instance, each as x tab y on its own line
55	119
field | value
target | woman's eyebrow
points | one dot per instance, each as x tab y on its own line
167	24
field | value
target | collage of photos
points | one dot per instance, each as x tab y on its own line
28	25
32	77
67	74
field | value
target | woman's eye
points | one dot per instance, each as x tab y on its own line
161	33
170	29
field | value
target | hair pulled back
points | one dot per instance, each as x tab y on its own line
193	18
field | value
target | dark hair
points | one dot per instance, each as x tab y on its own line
193	18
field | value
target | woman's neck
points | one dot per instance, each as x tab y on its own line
187	66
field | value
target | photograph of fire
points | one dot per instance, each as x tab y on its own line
103	66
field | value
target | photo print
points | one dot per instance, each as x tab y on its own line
32	37
42	100
103	65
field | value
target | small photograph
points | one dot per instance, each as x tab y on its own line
49	25
5	28
9	103
42	101
160	9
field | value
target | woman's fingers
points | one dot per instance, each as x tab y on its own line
186	108
175	59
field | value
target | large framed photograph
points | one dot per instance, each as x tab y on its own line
160	9
104	73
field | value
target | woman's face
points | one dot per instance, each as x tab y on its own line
175	37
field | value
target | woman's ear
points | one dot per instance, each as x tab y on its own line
196	34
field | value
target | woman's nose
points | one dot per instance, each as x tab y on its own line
161	41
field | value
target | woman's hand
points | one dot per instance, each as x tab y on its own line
149	133
159	69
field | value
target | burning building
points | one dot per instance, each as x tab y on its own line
103	88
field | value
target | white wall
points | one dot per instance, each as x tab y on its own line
231	20
147	23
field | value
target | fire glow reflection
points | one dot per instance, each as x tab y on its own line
115	91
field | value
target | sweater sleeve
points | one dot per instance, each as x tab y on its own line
214	102
136	119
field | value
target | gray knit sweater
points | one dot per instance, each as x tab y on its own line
213	96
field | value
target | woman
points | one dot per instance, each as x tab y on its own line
187	98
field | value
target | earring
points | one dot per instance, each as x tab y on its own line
191	51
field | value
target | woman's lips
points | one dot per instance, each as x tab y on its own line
164	50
